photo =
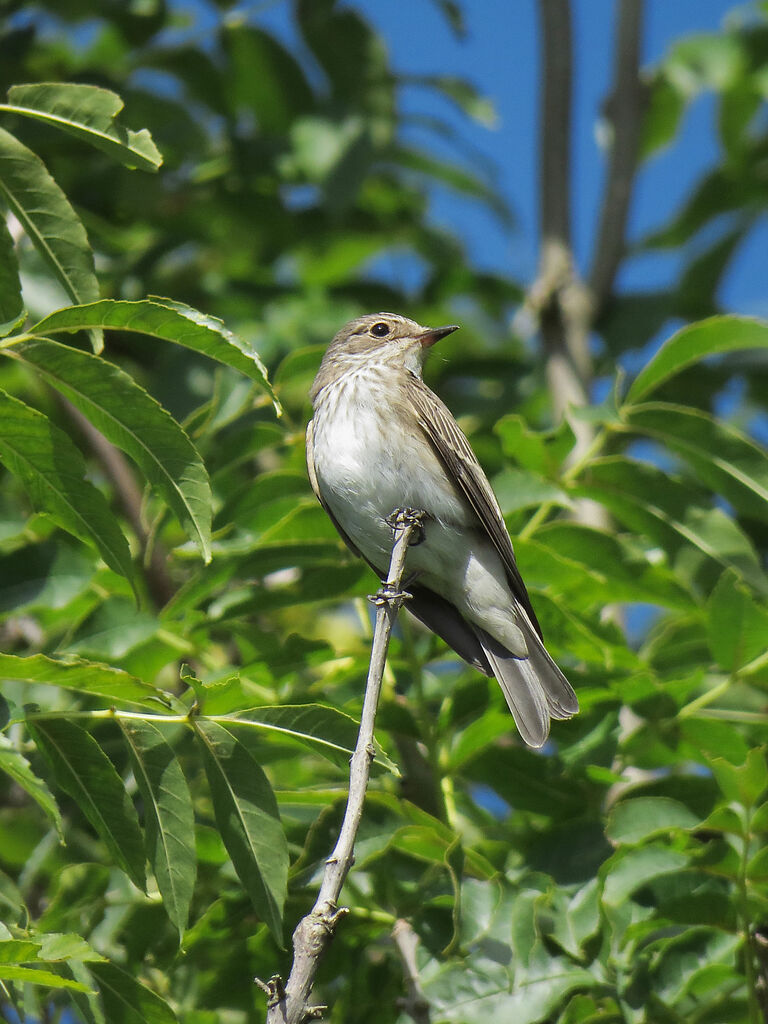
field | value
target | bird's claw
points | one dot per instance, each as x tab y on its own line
402	517
387	594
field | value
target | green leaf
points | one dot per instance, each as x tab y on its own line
326	730
720	456
540	452
709	337
162	318
83	677
88	112
667	510
33	976
627	871
48	219
14	764
634	819
85	772
248	819
737	625
742	784
517	489
131	419
127	1001
11	302
169	819
52	471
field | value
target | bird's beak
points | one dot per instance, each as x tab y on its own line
433	334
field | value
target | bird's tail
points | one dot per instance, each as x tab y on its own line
534	687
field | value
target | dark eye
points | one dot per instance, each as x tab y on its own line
380	330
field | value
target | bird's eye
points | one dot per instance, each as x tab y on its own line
380	330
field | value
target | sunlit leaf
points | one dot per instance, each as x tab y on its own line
710	337
161	318
49	220
131	419
88	112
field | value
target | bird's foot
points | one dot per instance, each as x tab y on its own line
388	594
402	517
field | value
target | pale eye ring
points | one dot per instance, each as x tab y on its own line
380	330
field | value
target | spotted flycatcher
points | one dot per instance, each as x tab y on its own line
381	440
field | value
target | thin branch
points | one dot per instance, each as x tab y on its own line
415	1003
289	1004
625	111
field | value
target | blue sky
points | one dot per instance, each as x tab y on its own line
500	56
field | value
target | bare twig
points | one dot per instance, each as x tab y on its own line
625	110
415	1002
289	1004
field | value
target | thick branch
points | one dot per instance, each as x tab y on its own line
625	114
289	1004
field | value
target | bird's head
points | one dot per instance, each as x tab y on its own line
381	339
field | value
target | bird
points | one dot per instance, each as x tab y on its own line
381	440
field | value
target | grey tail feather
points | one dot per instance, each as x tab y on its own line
534	687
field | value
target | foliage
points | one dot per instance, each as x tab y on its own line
183	667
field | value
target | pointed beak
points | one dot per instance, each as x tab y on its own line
433	334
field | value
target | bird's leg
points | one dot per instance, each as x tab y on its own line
398	520
402	517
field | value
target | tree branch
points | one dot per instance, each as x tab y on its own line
415	1002
625	110
558	298
289	1004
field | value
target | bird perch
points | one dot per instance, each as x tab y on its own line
289	1003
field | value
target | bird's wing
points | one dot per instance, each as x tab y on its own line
452	447
318	493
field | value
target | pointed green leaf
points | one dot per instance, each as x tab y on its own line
85	772
47	217
248	819
634	819
162	318
32	976
127	1001
52	471
169	819
11	303
627	871
668	510
709	337
737	625
326	730
131	419
83	677
722	457
14	764
91	114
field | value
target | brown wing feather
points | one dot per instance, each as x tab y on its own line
450	444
